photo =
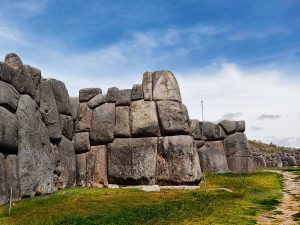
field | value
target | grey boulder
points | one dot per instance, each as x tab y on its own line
123	97
97	101
122	128
84	118
137	92
81	142
147	86
111	95
228	126
9	96
87	94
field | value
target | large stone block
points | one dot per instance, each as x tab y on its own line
5	72
96	163
8	131
74	101
103	124
67	126
132	161
240	126
12	177
123	97
259	161
144	121
81	170
34	150
165	86
212	131
97	101
13	60
111	95
239	157
173	117
61	96
177	161
212	157
289	160
137	92
147	86
49	110
67	162
228	126
9	96
87	94
81	142
84	118
195	130
122	128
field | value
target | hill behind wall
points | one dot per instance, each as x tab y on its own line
141	135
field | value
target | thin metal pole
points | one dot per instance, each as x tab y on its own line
10	201
202	110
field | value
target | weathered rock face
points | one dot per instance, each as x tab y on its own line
259	161
144	121
173	117
74	101
212	131
96	163
97	101
195	130
147	86
49	110
9	96
177	161
67	126
34	151
132	161
103	124
212	157
289	160
84	118
9	131
12	179
137	92
122	128
81	170
228	126
61	96
238	154
123	97
111	95
81	142
165	86
87	94
3	194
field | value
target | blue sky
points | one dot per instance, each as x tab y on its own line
241	57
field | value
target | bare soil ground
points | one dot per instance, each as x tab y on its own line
290	205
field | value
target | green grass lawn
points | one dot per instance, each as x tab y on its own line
257	192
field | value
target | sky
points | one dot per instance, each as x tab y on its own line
241	57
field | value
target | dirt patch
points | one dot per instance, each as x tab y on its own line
283	214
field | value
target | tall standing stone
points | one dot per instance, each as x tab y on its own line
81	169
84	118
147	86
34	151
122	128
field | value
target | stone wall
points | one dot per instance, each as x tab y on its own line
141	135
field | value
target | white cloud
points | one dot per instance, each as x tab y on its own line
30	6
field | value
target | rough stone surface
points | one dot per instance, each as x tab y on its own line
173	117
228	126
9	96
259	161
61	96
212	131
103	124
96	160
132	161
81	170
9	131
67	126
67	162
165	86
87	94
177	161
84	118
147	86
74	101
239	157
240	126
97	101
111	95
13	60
12	177
34	150
49	110
81	142
122	128
212	157
3	195
123	97
144	121
290	160
137	92
195	130
5	72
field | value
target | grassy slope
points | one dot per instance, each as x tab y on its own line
268	148
258	191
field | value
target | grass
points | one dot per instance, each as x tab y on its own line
258	192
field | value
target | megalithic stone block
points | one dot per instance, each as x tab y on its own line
177	161
122	128
132	161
